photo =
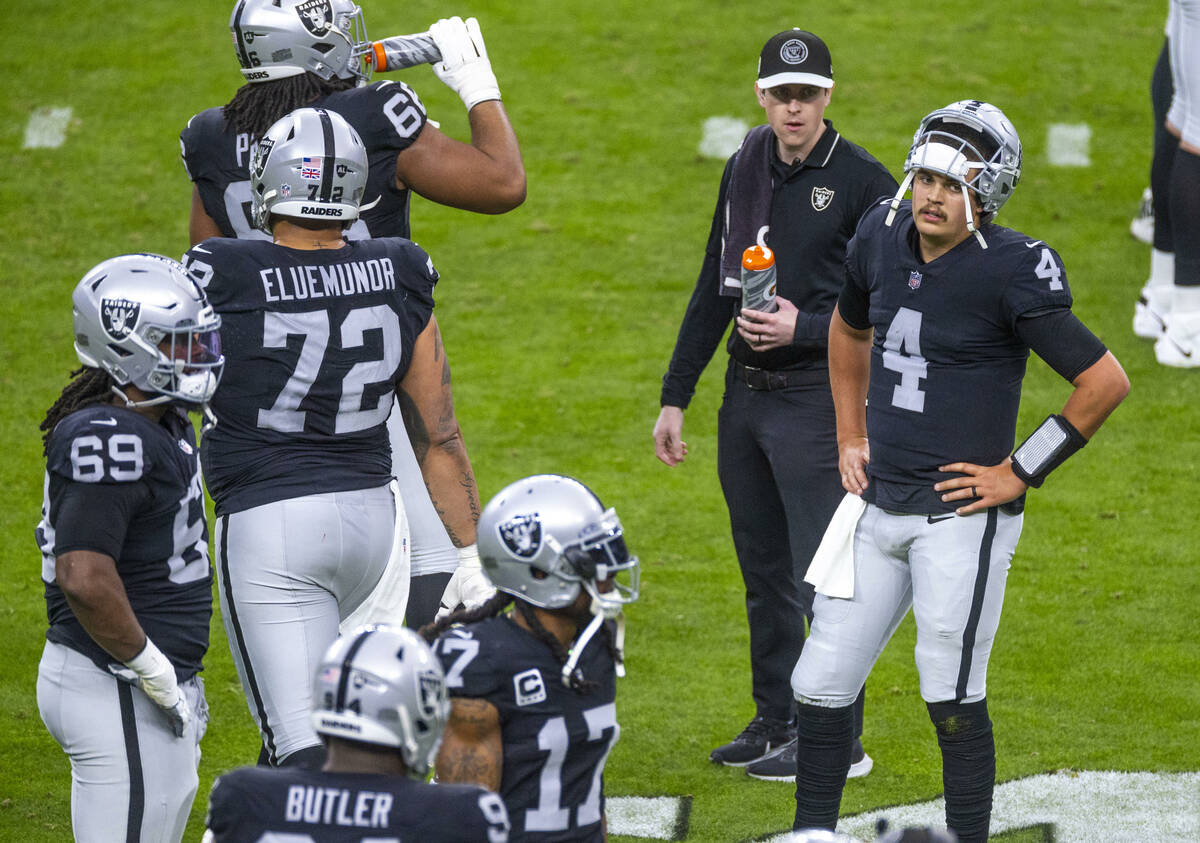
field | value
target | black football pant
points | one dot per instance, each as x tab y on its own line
777	461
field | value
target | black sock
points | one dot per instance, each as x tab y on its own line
825	737
964	734
424	598
858	712
1185	211
1165	145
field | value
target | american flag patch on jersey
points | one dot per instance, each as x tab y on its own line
310	168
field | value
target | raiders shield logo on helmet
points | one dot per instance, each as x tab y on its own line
316	15
430	686
821	197
119	317
522	535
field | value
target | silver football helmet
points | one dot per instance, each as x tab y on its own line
143	320
311	165
275	39
546	537
973	143
382	685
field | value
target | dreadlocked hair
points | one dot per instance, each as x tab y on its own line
89	386
495	606
488	609
257	105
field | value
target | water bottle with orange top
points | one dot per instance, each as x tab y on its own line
758	279
401	51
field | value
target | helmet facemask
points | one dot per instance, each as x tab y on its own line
972	143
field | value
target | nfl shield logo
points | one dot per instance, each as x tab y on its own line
316	15
821	197
522	535
914	280
119	317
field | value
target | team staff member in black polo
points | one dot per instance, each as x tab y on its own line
799	187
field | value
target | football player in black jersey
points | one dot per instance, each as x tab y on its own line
379	703
296	53
125	550
322	334
927	352
533	696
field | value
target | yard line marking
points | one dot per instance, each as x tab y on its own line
1076	805
655	818
47	128
1067	144
722	136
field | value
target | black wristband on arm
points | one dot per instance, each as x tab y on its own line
1046	449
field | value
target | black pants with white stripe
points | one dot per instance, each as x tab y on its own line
132	780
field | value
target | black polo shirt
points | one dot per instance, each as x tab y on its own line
815	207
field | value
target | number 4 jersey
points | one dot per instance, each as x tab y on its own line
314	342
948	357
555	740
123	485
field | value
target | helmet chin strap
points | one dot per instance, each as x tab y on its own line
899	197
570	669
971	216
133	405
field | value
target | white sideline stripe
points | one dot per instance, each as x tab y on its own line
1082	806
47	128
1067	144
721	136
654	817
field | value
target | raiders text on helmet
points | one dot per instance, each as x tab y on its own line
143	320
279	38
310	164
546	537
383	685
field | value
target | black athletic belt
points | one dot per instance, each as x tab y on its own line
768	379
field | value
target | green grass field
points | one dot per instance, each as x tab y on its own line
560	318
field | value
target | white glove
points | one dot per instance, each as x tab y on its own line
464	66
469	586
156	677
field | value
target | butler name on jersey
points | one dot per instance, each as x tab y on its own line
254	804
387	115
115	477
555	739
323	335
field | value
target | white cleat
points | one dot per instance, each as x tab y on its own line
1142	226
1150	312
1179	346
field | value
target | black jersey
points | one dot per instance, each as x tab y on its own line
946	361
815	205
314	342
387	115
123	485
555	740
253	804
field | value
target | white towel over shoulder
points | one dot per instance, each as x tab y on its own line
832	568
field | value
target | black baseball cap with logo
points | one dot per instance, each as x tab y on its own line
795	57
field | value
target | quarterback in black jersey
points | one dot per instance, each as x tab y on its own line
533	698
379	704
296	53
927	352
322	334
124	548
